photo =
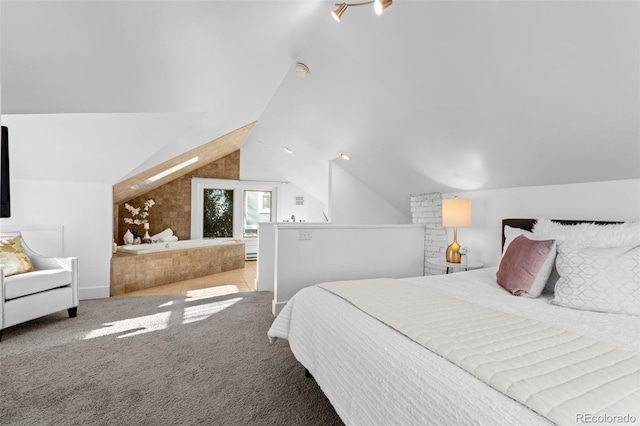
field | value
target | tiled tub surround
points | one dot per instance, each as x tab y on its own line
131	272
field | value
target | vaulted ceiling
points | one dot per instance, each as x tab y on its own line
430	96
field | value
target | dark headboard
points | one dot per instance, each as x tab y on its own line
527	224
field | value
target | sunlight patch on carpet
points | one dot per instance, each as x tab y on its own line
206	293
202	312
132	326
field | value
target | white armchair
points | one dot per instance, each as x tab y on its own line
52	286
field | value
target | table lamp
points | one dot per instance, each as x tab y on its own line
455	212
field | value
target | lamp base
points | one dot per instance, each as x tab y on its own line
452	255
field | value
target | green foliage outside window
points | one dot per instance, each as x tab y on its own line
218	213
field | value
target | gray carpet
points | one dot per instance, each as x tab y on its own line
156	360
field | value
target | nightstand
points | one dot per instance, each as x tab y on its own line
451	267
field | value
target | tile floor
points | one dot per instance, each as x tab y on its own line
234	281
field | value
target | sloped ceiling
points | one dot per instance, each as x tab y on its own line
181	165
430	96
203	68
459	95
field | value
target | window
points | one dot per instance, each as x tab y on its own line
257	208
217	214
223	208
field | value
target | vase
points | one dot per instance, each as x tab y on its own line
464	259
128	238
136	241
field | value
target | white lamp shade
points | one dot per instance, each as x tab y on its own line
456	212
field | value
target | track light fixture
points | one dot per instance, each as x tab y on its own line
337	14
378	5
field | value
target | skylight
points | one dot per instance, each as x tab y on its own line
164	173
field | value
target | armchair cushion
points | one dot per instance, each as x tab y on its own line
35	282
13	257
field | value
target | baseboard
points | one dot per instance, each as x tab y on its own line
93	293
276	307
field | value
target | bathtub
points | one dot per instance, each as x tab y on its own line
174	245
142	266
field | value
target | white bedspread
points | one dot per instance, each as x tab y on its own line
374	375
555	372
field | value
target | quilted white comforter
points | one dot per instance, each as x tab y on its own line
374	375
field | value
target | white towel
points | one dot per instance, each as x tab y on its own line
168	239
166	233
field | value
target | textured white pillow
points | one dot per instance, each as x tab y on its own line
589	234
601	279
586	234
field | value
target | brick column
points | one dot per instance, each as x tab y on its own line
427	209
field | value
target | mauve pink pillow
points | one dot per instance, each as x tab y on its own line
526	266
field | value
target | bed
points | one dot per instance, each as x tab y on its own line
374	372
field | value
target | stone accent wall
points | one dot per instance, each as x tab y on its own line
427	209
173	200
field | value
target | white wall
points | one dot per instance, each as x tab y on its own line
353	202
84	210
62	175
311	211
609	201
88	147
289	260
62	170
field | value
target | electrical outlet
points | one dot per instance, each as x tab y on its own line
304	234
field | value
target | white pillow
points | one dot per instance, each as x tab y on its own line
511	234
589	234
601	279
586	234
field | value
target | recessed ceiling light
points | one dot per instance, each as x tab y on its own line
345	156
302	69
288	150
